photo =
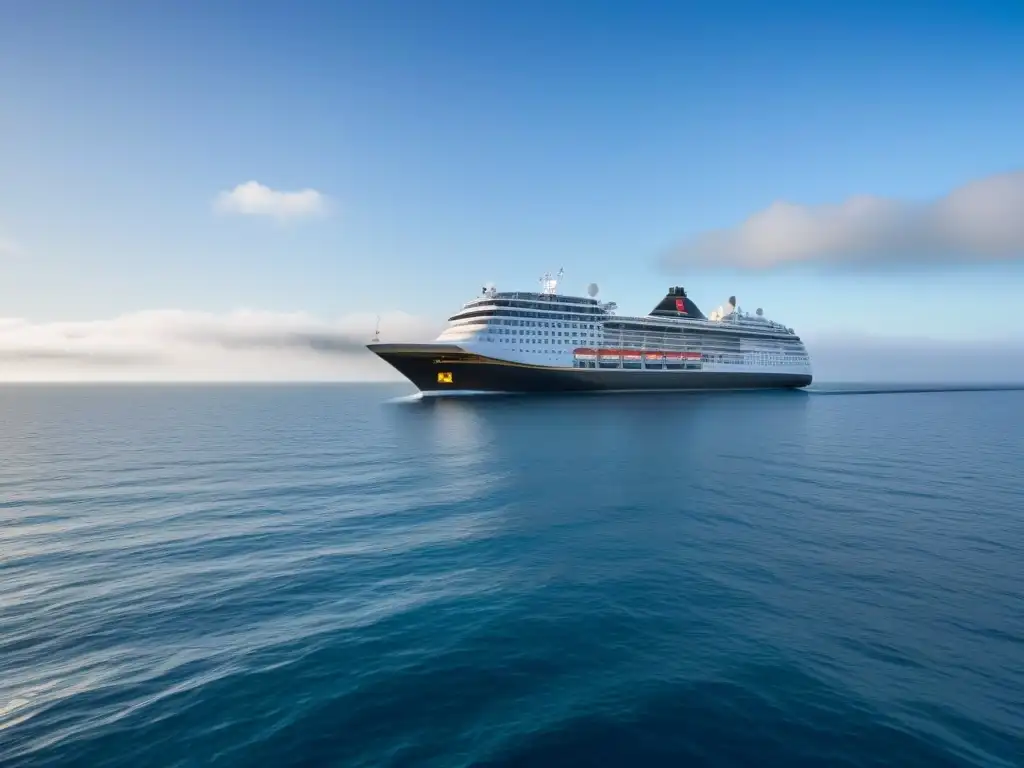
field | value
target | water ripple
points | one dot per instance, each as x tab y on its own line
324	576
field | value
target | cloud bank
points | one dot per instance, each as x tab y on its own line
175	345
978	222
255	199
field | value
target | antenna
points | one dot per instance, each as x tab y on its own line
376	331
549	285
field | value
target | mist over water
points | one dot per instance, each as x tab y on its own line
347	575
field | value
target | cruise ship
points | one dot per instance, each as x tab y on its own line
546	341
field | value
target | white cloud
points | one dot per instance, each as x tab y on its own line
175	345
255	199
980	221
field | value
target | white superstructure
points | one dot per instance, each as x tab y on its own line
554	330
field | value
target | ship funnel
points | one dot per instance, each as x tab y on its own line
677	304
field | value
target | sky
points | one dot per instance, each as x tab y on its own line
236	190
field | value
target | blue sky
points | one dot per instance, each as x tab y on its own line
462	142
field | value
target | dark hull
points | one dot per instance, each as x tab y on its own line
443	368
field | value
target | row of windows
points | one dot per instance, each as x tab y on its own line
756	359
644	332
509	336
548	336
527	332
490	312
582	339
710	356
545	306
648	328
499	321
735	343
659	365
641	340
558	336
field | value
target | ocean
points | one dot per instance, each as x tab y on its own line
347	576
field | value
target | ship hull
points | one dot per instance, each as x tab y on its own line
439	369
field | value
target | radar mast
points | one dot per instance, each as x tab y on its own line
548	284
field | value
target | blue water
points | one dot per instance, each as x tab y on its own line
336	575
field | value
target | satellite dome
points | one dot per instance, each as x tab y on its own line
592	290
760	311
